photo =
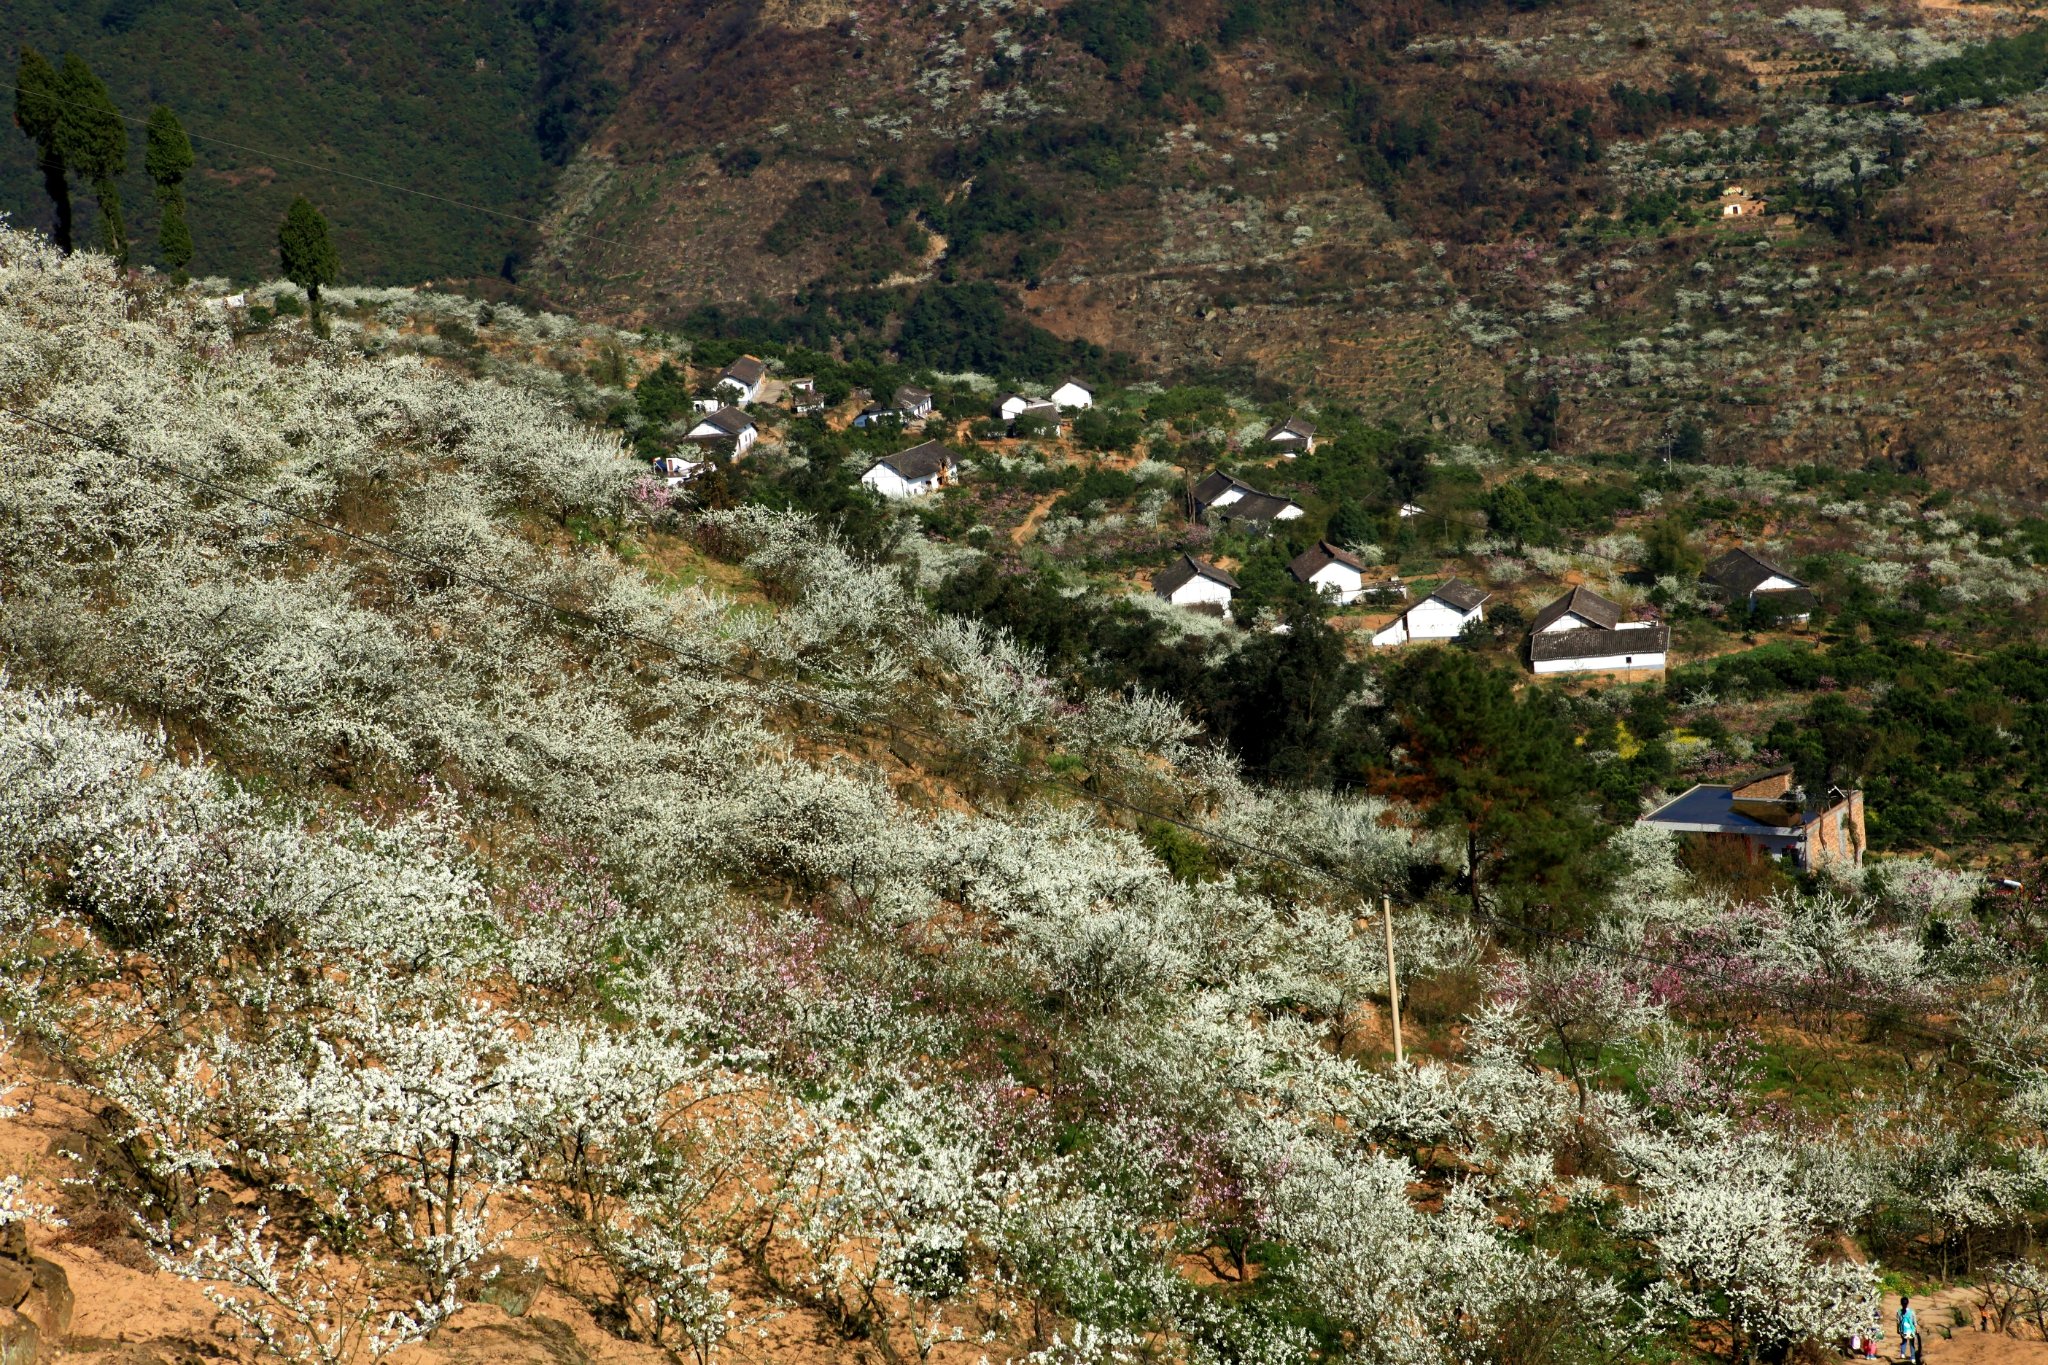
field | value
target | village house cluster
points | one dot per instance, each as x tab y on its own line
1581	632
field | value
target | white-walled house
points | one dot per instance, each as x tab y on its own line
1443	615
727	427
1073	394
1295	436
1191	582
1261	510
1583	632
912	402
1631	647
914	473
674	471
1331	570
742	379
1746	577
1579	609
1219	489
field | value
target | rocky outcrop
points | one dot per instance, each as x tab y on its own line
35	1299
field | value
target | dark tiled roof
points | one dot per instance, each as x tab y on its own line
1186	570
729	421
1216	484
1461	594
1740	571
1293	429
748	369
921	461
1583	603
909	396
1256	507
1556	645
1320	556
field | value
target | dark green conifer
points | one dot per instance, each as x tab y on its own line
38	109
167	160
94	141
306	254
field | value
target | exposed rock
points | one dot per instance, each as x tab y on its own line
19	1339
51	1303
15	1282
509	1284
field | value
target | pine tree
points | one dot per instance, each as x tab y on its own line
168	159
38	109
1502	773
306	254
94	140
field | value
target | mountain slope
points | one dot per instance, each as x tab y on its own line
468	103
1503	223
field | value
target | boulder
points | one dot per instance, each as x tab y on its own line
14	1241
50	1304
508	1283
15	1282
19	1339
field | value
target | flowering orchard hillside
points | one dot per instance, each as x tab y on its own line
422	901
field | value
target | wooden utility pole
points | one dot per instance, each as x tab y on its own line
1393	980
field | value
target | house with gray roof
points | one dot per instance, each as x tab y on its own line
914	473
1295	436
1744	577
740	382
1192	582
1442	615
1583	632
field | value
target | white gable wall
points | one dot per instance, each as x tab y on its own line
890	484
1429	619
1571	620
743	394
1199	591
1072	395
1435	619
740	443
1339	580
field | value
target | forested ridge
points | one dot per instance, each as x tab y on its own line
464	115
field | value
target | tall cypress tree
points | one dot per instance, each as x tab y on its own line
94	140
167	160
306	254
38	109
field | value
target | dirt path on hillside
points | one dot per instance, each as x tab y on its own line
1029	526
1965	1345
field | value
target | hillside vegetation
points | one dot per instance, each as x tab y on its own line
667	911
1451	214
475	105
